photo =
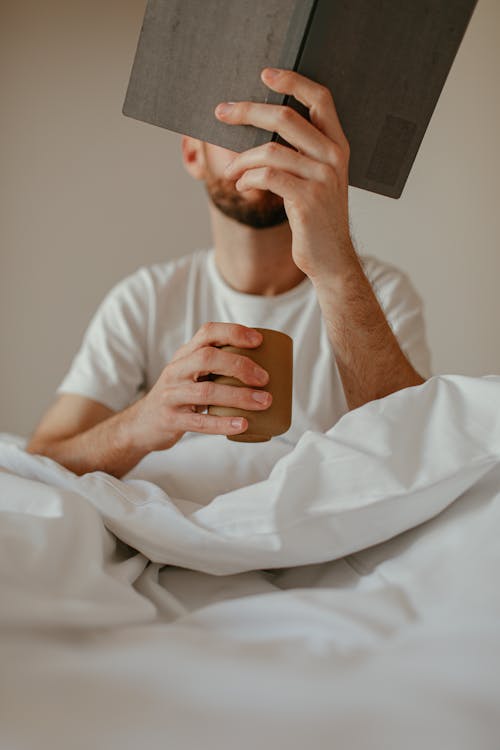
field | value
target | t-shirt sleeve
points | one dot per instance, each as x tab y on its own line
403	308
110	365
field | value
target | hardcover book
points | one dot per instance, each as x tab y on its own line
384	61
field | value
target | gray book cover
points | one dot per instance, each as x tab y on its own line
385	62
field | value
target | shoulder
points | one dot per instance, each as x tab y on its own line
172	273
149	281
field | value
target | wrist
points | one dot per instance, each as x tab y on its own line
141	435
131	438
341	265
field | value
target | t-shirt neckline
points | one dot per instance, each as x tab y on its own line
302	289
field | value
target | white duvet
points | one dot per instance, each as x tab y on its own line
339	593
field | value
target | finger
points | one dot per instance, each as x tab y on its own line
209	359
275	155
313	95
283	120
279	182
219	334
217	394
212	425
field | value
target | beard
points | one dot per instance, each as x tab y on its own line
264	211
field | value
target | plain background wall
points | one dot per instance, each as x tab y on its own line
88	195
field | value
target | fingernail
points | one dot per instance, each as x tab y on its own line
271	72
254	336
237	423
223	108
261	396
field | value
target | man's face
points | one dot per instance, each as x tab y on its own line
255	208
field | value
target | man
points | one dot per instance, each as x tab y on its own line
283	258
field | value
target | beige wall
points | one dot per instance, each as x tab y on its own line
87	195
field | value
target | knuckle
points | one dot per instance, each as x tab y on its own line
334	153
272	148
343	152
324	94
206	356
207	328
269	173
239	363
286	114
196	421
204	390
326	172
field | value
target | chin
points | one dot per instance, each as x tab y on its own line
256	208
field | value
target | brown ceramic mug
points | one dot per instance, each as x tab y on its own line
275	355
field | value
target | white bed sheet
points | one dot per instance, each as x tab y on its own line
391	645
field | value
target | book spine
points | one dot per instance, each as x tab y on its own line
289	59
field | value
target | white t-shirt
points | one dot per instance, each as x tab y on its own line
148	315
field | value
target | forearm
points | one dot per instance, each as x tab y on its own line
370	361
109	446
